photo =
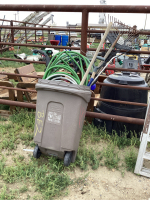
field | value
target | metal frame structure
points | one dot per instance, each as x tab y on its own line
85	10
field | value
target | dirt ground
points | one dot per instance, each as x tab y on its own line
8	69
99	184
109	185
104	184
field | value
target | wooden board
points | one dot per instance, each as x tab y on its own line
28	70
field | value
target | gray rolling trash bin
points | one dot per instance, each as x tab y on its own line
60	113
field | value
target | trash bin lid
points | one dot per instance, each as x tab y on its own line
64	87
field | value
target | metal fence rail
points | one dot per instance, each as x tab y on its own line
85	10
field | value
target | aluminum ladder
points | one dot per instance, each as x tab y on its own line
143	154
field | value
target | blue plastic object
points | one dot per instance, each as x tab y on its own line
93	87
91	80
58	37
65	39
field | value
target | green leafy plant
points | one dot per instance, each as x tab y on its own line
130	159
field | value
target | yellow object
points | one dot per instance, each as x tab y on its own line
135	57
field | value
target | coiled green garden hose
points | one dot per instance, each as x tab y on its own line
62	60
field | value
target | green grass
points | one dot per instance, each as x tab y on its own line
47	174
94	45
12	64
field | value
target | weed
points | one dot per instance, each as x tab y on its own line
32	144
56	164
36	197
82	158
7	195
3	119
26	136
23	189
46	181
111	157
122	140
122	173
4	107
23	118
80	180
130	159
48	174
19	158
95	159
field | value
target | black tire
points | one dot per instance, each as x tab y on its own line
147	79
36	152
67	158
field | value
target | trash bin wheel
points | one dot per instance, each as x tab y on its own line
36	152
67	158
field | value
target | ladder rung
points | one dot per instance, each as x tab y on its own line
145	170
147	155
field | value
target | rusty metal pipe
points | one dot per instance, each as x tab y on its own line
94	98
76	8
19	22
117	101
123	86
145	65
19	89
88	114
129	70
65	47
17	103
66	29
25	61
84	32
41	46
21	75
115	118
123	51
40	28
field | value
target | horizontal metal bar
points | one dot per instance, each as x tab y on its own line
118	101
123	86
21	75
94	98
98	83
19	89
21	22
76	8
65	47
145	65
41	46
25	61
75	29
123	51
88	114
39	28
129	70
115	118
17	103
